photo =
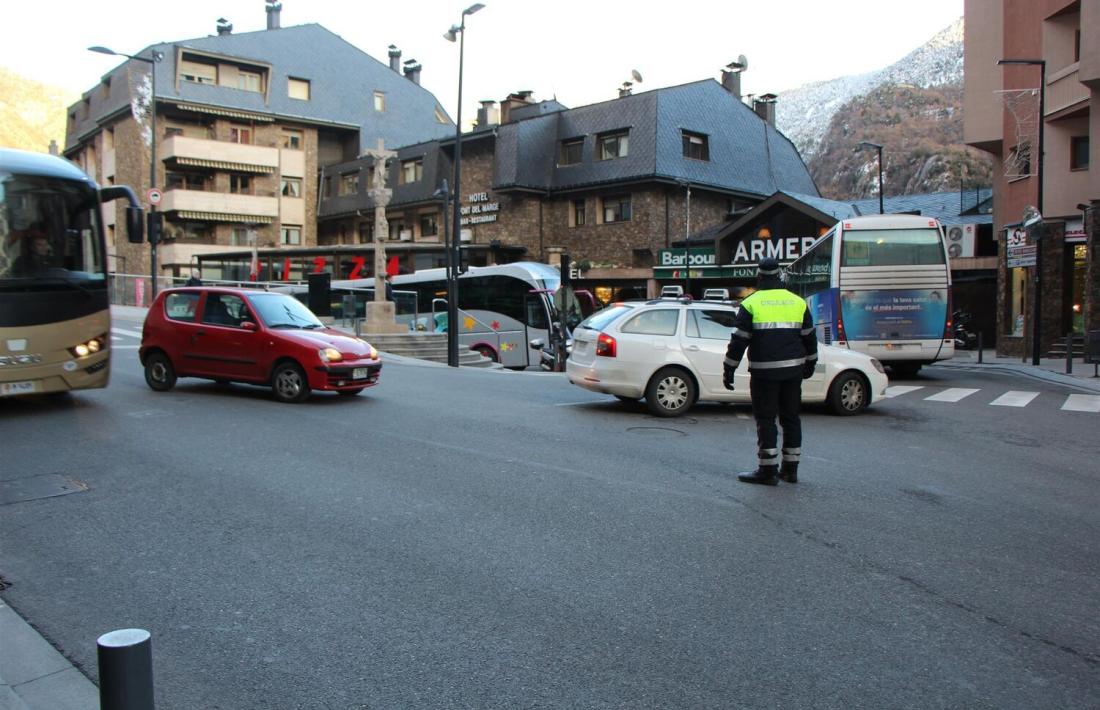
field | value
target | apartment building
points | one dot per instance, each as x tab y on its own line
244	124
1054	47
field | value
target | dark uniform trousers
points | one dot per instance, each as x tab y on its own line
782	399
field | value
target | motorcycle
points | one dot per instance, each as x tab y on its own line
552	355
965	337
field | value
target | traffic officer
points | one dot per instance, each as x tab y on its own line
776	327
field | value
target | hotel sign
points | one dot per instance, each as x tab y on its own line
480	210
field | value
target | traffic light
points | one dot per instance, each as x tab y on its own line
155	226
463	260
566	269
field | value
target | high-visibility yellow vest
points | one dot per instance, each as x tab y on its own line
775	308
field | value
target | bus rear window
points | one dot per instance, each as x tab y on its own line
892	247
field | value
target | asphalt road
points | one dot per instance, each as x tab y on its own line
480	539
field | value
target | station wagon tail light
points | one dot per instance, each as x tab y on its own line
605	346
330	355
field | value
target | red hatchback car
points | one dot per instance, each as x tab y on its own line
257	337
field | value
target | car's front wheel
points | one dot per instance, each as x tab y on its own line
289	383
670	392
159	373
849	394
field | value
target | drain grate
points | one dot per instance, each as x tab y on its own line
46	485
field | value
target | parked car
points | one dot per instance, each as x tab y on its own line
250	336
670	352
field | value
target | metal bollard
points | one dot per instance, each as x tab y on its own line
125	670
1069	354
980	353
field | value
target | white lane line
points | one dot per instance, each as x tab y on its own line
742	415
1082	403
1014	399
125	347
895	390
123	331
953	394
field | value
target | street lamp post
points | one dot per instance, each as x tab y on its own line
457	32
878	149
687	239
152	62
1036	301
452	333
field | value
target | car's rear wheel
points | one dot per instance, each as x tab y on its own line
159	373
849	394
350	393
670	392
289	383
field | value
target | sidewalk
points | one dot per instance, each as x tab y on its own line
34	676
1048	370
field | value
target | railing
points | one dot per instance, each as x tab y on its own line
1064	90
136	289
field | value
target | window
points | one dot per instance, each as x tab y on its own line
379	101
1077	45
239	237
240	184
109	139
225	309
298	88
660	321
198	72
428	225
613	145
250	81
184	181
695	146
105	87
291	187
571	151
893	247
366	232
291	139
578	213
172	131
349	184
240	134
616	209
396	227
290	234
328	186
1079	153
711	324
182	306
412	171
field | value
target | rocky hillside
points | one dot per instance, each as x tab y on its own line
912	108
31	113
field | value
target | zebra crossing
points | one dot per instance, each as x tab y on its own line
125	339
1012	398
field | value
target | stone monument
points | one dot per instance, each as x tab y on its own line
381	313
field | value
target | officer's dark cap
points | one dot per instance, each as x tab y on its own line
767	267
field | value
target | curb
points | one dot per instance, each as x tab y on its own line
1035	373
34	675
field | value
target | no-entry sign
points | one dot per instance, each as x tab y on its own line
153	195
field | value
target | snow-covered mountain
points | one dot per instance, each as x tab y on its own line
803	114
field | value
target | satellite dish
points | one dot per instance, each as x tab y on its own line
743	61
637	75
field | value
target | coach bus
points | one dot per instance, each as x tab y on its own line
55	321
881	284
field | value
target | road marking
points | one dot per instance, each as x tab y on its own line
953	394
125	347
123	331
895	390
742	415
1014	399
1082	403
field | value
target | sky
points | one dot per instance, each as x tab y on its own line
578	51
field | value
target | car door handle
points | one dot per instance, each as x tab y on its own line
692	348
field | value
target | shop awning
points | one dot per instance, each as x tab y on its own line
224	165
223	217
228	113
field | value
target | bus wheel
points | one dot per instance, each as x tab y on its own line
670	392
289	383
486	351
848	394
159	373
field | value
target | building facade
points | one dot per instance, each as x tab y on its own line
244	124
1055	47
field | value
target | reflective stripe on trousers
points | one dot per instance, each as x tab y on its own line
768	457
792	455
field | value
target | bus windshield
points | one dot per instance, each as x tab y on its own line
892	247
48	233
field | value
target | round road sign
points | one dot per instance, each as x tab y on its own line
153	196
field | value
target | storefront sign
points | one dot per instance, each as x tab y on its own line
1020	253
1075	231
481	211
700	256
785	250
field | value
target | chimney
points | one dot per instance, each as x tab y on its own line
764	105
224	27
625	90
54	150
412	71
395	58
731	82
514	101
488	115
273	8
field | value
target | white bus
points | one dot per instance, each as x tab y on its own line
881	285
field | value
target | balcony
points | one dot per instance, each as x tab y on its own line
1065	90
205	206
220	155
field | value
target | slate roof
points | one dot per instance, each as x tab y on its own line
948	207
342	80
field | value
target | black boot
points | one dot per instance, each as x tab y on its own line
764	475
789	472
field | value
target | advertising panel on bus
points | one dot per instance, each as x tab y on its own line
916	314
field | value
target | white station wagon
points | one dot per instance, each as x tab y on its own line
670	352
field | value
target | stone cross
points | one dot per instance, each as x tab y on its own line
381	196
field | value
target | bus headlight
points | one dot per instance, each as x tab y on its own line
878	366
90	347
330	355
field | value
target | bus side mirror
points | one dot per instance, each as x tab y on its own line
135	225
537	344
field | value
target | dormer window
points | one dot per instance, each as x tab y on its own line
198	72
613	145
571	151
696	146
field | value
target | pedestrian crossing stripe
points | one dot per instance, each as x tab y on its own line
1014	399
123	331
895	390
951	395
1082	403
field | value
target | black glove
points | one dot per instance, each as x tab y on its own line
727	375
808	370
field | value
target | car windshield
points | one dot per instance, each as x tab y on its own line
601	319
277	310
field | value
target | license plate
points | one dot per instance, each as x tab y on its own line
359	373
8	389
